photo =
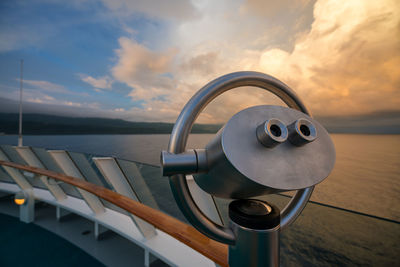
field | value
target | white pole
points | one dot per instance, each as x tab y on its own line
20	106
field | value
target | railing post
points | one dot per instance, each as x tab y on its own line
27	208
68	167
60	212
99	230
148	258
27	154
116	178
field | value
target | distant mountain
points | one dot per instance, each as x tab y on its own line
12	106
380	122
49	124
69	120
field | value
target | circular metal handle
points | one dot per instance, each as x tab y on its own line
180	133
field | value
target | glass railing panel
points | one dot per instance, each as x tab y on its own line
84	162
324	236
135	178
161	191
87	167
46	159
49	163
13	156
4	177
222	207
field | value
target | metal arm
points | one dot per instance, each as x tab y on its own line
182	129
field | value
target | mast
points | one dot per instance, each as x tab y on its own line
20	105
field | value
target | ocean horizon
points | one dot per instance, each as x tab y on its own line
366	177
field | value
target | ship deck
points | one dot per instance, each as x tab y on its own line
68	242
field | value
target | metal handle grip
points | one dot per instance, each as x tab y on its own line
180	133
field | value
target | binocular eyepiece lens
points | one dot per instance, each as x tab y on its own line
275	130
302	132
272	132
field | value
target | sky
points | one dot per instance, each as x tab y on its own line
143	60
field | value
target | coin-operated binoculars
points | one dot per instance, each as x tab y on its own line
260	150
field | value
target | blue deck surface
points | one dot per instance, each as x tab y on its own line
30	245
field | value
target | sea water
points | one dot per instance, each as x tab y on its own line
366	177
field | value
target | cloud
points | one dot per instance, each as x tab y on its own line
12	40
60	108
176	9
45	92
347	63
165	79
47	86
104	82
343	59
202	64
144	70
38	97
264	8
43	99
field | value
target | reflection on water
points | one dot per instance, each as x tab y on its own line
366	177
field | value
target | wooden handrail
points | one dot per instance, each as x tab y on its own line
187	234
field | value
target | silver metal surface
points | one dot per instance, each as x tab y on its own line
20	105
254	248
184	163
181	130
191	161
272	132
295	206
202	162
302	131
241	167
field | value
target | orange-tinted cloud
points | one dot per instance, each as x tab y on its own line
346	62
349	62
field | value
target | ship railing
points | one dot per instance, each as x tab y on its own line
114	195
323	235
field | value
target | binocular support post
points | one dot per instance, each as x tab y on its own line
256	225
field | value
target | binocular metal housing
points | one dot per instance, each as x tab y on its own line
260	150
